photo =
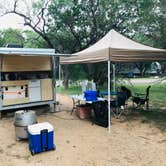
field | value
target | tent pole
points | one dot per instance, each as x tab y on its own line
59	72
114	81
54	79
109	108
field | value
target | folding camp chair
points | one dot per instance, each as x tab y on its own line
119	105
142	99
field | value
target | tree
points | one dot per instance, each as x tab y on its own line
13	36
143	67
36	19
72	25
33	40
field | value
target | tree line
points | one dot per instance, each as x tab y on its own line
69	26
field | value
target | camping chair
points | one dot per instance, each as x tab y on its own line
119	105
100	109
142	99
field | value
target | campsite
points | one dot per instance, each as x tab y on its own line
82	83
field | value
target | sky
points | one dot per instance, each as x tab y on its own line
12	20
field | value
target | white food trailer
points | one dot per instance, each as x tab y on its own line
27	78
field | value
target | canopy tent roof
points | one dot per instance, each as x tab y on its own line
117	48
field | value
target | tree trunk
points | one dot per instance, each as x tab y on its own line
65	75
142	73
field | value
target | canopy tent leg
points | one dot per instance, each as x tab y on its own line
54	81
109	89
59	73
114	80
1	59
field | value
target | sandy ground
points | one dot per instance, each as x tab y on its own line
79	143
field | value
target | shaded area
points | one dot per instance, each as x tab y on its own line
156	117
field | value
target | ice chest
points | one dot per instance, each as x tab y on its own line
41	137
90	95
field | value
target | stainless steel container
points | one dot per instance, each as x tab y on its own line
21	121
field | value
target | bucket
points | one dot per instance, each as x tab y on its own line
90	95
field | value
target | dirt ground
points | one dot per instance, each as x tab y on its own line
79	143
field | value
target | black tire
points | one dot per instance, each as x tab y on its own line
54	148
32	152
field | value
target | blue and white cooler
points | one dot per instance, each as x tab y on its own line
41	137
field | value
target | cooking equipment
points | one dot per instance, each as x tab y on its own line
22	120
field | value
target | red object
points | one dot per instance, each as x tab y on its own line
83	112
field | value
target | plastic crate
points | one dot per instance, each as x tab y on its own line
84	111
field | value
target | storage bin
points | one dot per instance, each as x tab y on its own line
41	137
84	111
90	95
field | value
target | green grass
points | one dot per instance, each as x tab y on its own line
157	92
156	115
72	90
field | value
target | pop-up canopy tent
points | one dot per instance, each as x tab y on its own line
114	47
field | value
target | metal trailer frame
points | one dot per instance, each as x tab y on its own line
30	52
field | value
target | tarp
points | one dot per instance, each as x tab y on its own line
116	48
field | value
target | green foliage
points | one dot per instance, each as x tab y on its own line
79	24
77	72
33	40
73	25
87	21
10	35
70	91
149	26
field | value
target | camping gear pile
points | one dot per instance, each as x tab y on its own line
39	135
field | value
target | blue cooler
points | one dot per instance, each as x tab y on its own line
41	137
90	95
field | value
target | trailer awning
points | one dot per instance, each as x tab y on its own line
30	52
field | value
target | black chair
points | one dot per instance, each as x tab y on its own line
118	106
142	99
101	113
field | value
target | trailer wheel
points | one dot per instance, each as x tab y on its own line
32	152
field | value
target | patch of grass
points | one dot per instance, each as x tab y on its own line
70	91
157	93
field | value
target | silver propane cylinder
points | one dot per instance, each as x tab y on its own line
22	120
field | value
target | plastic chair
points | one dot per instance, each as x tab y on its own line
142	99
